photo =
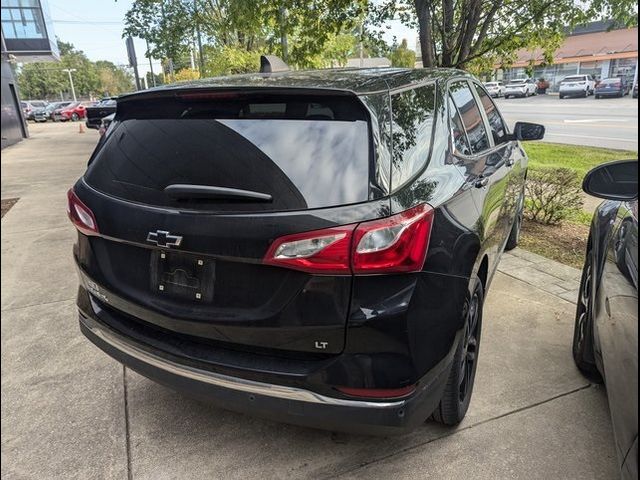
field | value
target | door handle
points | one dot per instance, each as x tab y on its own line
482	182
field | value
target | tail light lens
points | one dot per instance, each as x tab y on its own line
389	245
80	215
394	244
318	251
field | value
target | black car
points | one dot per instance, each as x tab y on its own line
634	93
605	342
95	114
612	87
313	247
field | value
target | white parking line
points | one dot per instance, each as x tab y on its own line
596	120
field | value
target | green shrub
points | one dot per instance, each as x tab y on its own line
552	195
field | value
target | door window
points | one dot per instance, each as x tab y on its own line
471	117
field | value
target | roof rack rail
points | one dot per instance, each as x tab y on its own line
272	63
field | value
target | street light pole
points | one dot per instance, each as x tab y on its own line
73	90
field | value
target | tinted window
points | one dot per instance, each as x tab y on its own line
471	117
282	148
460	141
498	129
412	126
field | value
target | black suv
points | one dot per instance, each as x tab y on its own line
313	247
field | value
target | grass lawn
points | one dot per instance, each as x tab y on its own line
565	243
576	157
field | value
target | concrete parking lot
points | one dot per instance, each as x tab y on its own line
69	411
607	122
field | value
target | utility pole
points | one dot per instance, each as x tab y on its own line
361	43
133	61
153	77
73	90
282	13
199	35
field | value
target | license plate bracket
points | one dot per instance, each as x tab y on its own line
182	276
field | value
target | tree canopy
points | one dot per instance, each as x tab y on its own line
465	33
48	80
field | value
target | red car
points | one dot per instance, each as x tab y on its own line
74	111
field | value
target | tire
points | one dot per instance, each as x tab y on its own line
582	347
514	235
597	97
455	400
74	117
586	93
560	96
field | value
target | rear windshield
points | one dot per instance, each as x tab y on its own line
574	79
306	152
611	81
515	82
490	84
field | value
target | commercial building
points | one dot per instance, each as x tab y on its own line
27	35
597	48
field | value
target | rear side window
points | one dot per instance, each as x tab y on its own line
304	152
460	141
412	127
496	124
471	117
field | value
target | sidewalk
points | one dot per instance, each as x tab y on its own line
69	411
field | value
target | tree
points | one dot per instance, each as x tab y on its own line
310	27
114	80
459	33
47	80
403	57
187	74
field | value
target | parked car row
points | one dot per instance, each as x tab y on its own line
571	86
41	111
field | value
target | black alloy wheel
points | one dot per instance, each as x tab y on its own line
457	395
583	329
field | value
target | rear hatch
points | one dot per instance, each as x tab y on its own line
243	169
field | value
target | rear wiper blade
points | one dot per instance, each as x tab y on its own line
186	191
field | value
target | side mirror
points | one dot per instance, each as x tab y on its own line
613	181
528	131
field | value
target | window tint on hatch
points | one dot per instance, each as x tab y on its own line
305	152
471	117
412	127
496	125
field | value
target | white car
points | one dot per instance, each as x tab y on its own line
495	89
577	85
520	87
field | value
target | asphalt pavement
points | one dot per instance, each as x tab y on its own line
71	412
607	122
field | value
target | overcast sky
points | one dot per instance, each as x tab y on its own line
95	27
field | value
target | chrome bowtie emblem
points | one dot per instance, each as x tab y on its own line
163	238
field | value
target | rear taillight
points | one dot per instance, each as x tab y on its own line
80	215
394	244
389	245
319	251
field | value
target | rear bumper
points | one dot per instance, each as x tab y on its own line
273	401
609	93
515	93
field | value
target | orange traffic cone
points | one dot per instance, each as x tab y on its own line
80	128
